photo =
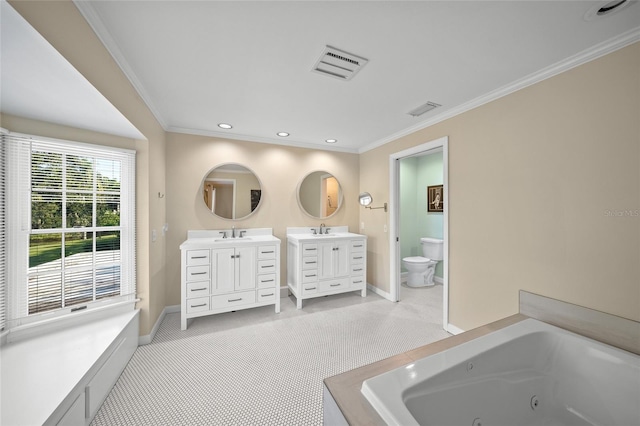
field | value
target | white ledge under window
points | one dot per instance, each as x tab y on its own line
63	376
29	328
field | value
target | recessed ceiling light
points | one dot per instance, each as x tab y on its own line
225	126
331	140
283	134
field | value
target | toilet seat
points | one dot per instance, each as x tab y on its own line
416	259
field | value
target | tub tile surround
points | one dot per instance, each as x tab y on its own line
606	328
345	389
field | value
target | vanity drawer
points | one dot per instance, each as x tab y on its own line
309	262
266	266
197	289
333	285
357	258
357	246
197	257
309	249
266	294
357	282
357	269
267	252
309	276
233	299
198	273
309	289
266	280
197	305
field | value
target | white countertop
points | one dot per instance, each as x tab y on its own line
299	234
214	239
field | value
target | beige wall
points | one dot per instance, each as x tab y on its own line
62	25
531	179
279	168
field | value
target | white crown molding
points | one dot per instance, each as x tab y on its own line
93	19
249	138
583	57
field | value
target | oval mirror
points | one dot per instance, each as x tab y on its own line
365	199
320	194
231	191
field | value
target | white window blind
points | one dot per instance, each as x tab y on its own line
3	239
70	226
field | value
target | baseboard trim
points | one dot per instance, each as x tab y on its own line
146	339
379	292
450	328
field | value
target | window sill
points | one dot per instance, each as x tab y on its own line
51	325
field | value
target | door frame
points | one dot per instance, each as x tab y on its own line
394	222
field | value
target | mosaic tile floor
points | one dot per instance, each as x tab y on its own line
256	367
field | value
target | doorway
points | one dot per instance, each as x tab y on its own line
440	144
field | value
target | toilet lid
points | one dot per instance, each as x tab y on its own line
416	259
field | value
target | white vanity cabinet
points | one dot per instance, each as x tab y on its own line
227	274
324	264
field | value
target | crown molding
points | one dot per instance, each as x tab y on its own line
93	19
581	58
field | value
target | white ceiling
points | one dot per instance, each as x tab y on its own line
248	63
36	82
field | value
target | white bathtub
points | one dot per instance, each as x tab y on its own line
529	373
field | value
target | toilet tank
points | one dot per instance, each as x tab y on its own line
432	248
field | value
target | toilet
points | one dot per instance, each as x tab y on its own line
422	268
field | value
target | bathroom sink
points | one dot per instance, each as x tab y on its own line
324	235
232	240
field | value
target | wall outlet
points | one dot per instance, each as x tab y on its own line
165	229
362	226
385	228
154	235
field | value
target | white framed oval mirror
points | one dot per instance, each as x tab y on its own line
231	191
319	194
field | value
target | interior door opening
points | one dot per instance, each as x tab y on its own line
395	220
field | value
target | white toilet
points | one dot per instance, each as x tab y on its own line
422	269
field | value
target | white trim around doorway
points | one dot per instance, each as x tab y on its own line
394	240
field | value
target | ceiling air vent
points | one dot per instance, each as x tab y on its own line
339	64
422	109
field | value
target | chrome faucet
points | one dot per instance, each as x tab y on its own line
242	234
314	231
322	225
224	234
233	231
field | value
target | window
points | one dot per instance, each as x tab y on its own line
70	226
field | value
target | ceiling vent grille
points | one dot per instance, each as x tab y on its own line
339	64
423	109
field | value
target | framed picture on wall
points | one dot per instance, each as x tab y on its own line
435	199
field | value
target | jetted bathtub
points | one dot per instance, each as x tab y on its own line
529	373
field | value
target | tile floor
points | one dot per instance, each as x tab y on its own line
256	367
